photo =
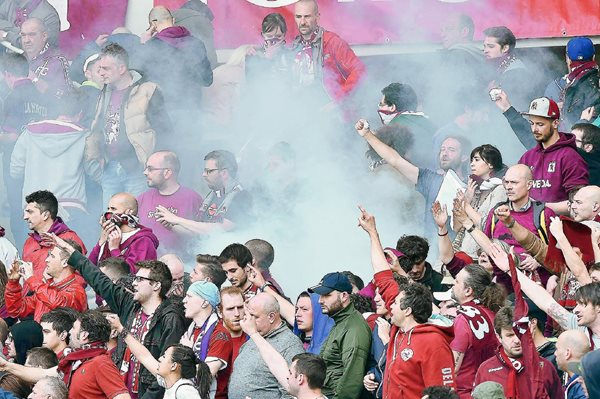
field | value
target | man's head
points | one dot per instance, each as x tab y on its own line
114	65
439	392
585	204
231	308
122	203
41	357
415	250
234	259
517	182
307	373
49	388
14	66
398	97
306	14
570	347
220	167
34	37
263	253
454	151
273	29
544	118
595	272
356	282
414	304
503	325
56	325
334	291
41	210
91	326
160	18
587	309
162	169
56	261
114	268
176	267
580	49
499	41
91	69
264	309
202	298
458	28
470	283
208	268
152	280
587	137
304	313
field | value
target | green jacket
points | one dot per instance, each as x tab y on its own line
345	353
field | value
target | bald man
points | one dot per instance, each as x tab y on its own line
181	280
586	204
571	346
531	214
122	235
251	376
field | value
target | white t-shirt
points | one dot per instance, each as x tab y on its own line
182	389
572	324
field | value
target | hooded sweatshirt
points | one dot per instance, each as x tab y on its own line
137	247
556	170
418	358
591	367
322	324
57	145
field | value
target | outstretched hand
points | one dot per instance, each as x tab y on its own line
366	221
440	214
500	257
59	242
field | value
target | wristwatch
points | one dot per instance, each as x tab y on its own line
470	229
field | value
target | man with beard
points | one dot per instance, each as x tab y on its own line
162	171
346	349
231	310
225	207
235	260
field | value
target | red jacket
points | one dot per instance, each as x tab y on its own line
342	69
418	358
46	297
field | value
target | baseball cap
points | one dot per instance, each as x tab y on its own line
443	296
488	390
332	282
544	107
580	49
207	291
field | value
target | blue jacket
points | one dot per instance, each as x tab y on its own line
322	324
376	361
573	389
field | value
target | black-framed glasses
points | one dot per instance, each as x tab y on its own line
139	279
209	171
152	168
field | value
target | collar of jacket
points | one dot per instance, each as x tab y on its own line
344	313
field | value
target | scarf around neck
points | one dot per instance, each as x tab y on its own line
69	363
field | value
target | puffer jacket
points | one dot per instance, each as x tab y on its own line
584	93
166	327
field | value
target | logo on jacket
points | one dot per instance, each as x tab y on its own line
406	354
552	166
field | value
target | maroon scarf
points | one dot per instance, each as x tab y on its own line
580	68
58	227
69	363
23	12
514	368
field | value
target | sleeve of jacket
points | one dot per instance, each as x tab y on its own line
54	298
203	70
575	172
16	305
439	369
356	346
119	300
521	127
18	157
388	289
158	116
95	254
349	64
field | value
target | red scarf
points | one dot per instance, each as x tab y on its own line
514	368
580	68
139	329
69	363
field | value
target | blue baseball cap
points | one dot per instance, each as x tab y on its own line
580	49
206	290
332	282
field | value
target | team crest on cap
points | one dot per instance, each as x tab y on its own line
406	354
534	105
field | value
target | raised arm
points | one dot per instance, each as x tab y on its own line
189	227
531	243
28	374
440	215
410	171
287	309
367	222
459	213
136	347
573	261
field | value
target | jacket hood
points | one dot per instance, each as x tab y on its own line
54	138
200	7
446	331
591	370
473	49
176	36
58	227
144	232
565	140
322	324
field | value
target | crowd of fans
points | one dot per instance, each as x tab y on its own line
496	295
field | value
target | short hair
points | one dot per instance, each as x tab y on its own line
503	320
171	160
11	383
212	269
274	21
116	266
238	252
354	279
503	35
465	21
594	268
117	52
440	392
15	64
361	303
160	272
64	254
312	367
589	293
45	200
40	23
57	389
160	14
401	95
591	135
231	291
95	324
61	320
491	155
418	297
225	160
41	357
397	136
465	143
262	251
414	248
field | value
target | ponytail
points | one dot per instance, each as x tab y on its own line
192	368
493	297
203	380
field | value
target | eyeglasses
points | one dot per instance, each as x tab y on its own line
209	171
138	279
152	168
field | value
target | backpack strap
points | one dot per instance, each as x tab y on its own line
539	220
